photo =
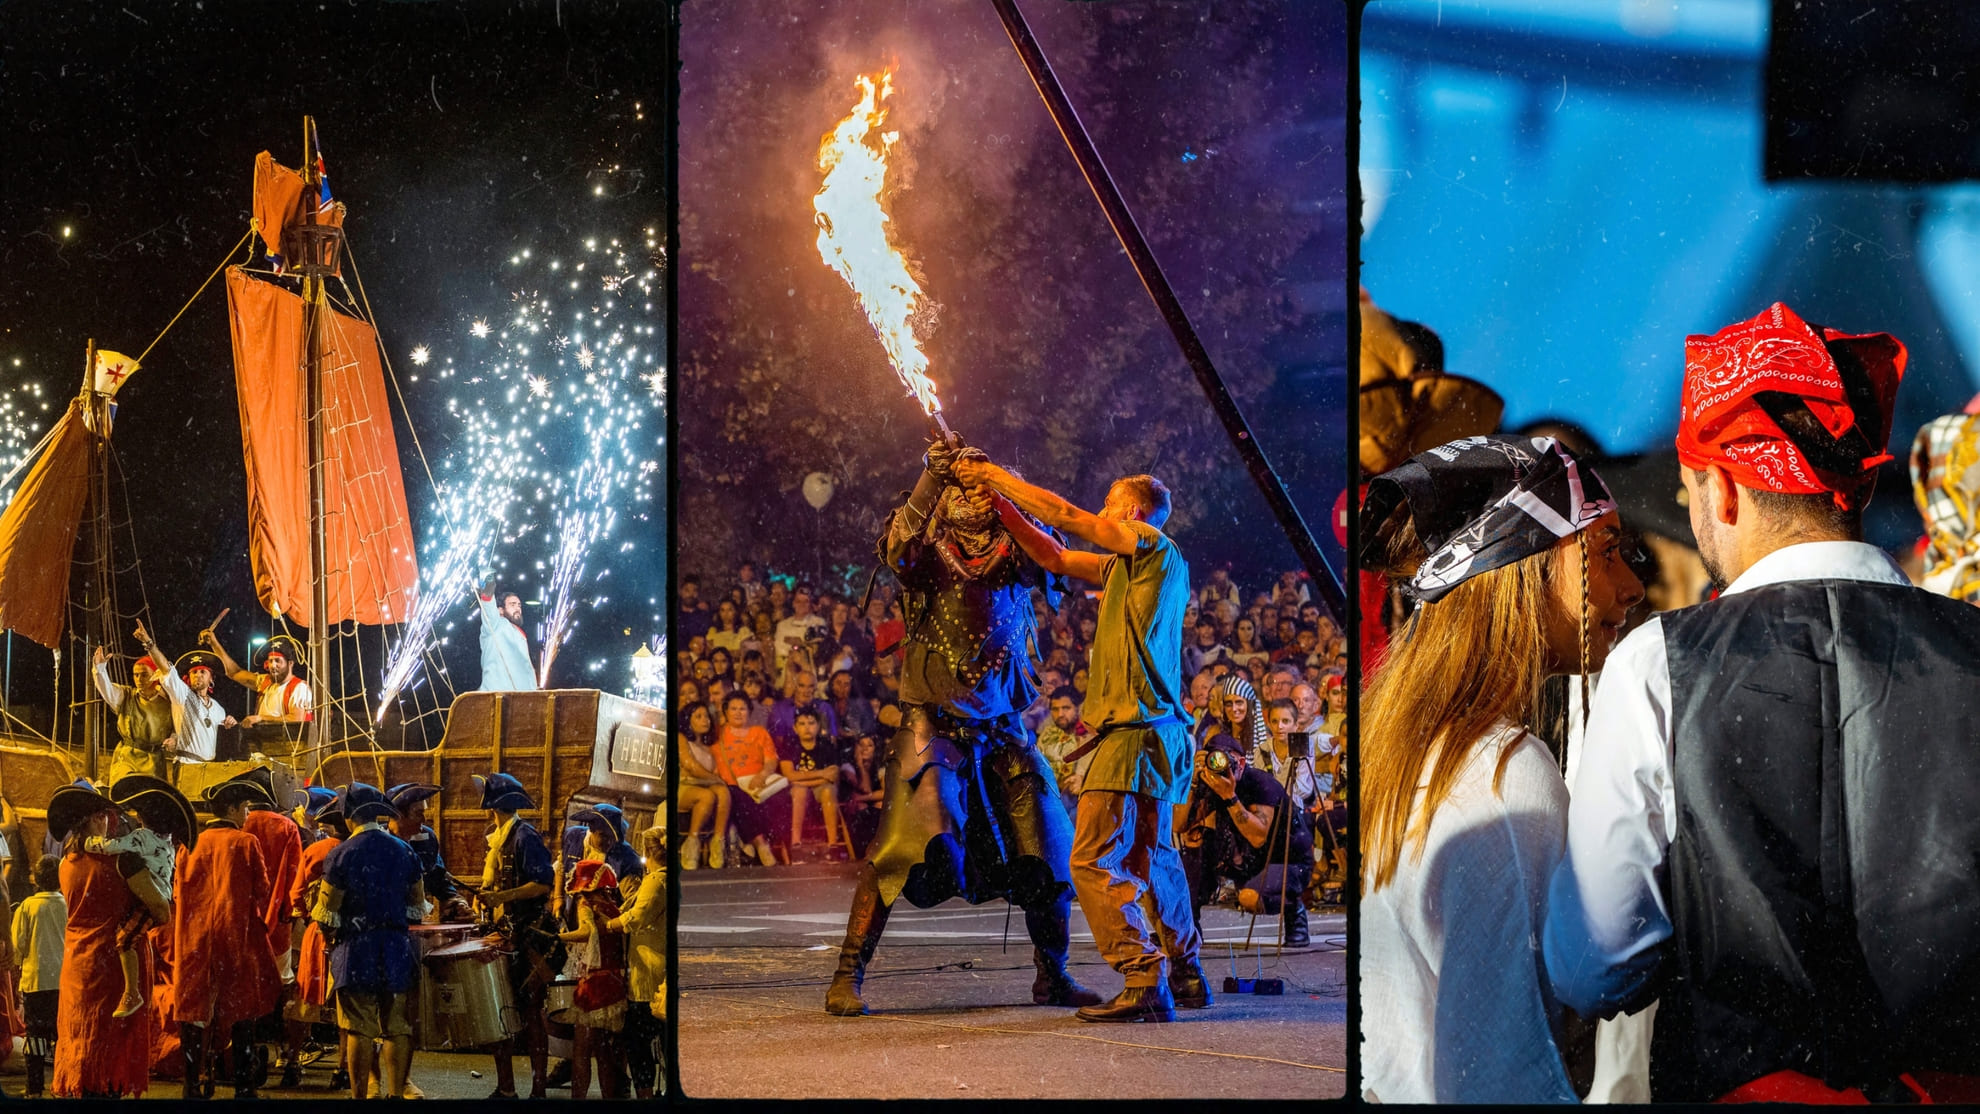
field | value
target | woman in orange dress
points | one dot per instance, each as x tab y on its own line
96	1055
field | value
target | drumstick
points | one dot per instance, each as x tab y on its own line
212	626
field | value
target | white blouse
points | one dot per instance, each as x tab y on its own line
1455	1001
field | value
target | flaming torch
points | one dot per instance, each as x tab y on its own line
852	236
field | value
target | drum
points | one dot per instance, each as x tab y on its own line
433	937
561	1004
472	1003
429	1025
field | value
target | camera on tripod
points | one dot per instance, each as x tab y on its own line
1299	744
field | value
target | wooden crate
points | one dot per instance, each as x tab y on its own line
564	745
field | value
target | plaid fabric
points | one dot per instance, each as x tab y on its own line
1945	485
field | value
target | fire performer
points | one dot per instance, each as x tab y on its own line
282	695
971	806
1772	831
144	717
516	882
505	663
371	895
410	798
196	716
1124	847
223	970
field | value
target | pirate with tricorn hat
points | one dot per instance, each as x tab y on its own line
516	882
282	696
369	898
197	716
224	970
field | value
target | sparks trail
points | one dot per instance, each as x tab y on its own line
552	398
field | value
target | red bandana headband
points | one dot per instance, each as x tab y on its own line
1745	385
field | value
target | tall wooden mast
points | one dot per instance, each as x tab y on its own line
99	609
316	263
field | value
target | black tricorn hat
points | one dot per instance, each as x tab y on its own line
197	659
162	807
72	804
259	775
287	646
219	798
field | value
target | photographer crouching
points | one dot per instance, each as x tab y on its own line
1238	828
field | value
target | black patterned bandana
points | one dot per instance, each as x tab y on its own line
1482	503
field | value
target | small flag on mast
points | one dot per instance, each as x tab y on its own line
323	199
112	368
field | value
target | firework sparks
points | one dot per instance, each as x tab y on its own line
421	356
549	442
24	411
852	234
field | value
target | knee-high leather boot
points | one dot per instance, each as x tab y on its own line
249	1068
1294	917
1050	926
863	928
192	1053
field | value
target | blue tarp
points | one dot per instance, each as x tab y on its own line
1564	196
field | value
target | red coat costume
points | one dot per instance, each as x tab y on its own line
313	961
96	1054
220	930
281	856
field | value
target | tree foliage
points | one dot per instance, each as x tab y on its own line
1047	351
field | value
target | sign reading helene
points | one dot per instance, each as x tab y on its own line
639	751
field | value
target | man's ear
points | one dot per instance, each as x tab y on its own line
1725	494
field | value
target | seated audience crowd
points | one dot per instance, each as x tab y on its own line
788	693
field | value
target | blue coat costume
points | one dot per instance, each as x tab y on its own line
372	949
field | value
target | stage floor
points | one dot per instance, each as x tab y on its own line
951	1005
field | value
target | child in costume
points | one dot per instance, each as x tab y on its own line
152	886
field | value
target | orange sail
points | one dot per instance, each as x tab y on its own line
38	534
367	532
278	203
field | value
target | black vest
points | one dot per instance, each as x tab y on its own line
1824	885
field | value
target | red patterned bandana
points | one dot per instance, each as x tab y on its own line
1789	407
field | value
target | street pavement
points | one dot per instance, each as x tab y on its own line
440	1075
951	1001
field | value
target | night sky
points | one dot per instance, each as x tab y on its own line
1224	126
457	134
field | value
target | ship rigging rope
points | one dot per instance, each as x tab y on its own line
196	294
405	409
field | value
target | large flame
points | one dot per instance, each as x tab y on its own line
852	233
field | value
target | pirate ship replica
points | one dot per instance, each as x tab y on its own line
330	545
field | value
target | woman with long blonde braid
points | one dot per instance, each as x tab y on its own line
1512	554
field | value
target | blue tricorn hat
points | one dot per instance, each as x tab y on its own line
361	802
607	815
314	799
503	793
408	793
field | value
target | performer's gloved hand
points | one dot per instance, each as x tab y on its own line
940	460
